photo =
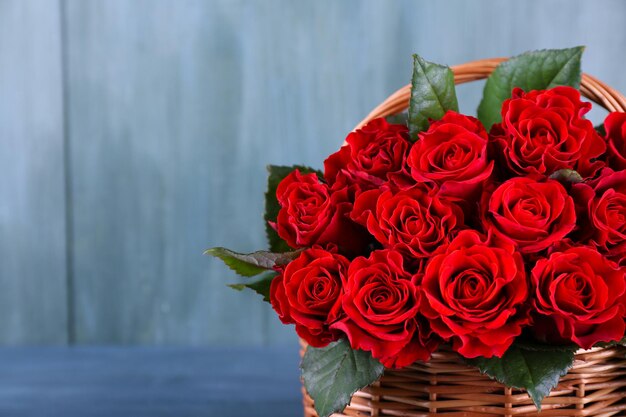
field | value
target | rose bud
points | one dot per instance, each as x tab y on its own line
307	293
531	214
373	155
313	214
603	203
579	298
475	295
543	131
414	221
453	155
381	301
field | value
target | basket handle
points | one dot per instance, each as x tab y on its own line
590	87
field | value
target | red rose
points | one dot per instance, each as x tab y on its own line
414	221
604	203
374	154
381	301
308	294
615	126
475	295
543	131
531	214
579	297
453	155
311	214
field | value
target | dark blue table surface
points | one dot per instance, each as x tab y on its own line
138	382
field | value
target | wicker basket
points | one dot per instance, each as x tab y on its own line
446	387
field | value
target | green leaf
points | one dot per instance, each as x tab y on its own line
276	175
526	344
535	70
536	370
601	130
566	175
251	264
621	342
398	119
260	285
332	374
432	94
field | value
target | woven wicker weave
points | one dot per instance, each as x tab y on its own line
445	387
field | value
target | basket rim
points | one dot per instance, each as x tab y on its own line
590	87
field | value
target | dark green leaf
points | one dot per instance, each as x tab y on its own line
601	130
534	345
535	70
537	371
332	374
566	175
398	119
251	264
432	94
276	175
260	285
621	342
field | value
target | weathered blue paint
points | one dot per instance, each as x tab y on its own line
33	302
173	110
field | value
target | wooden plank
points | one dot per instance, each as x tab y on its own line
157	162
32	198
148	382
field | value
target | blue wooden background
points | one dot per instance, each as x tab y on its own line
135	134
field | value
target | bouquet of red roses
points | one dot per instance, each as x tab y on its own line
502	236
